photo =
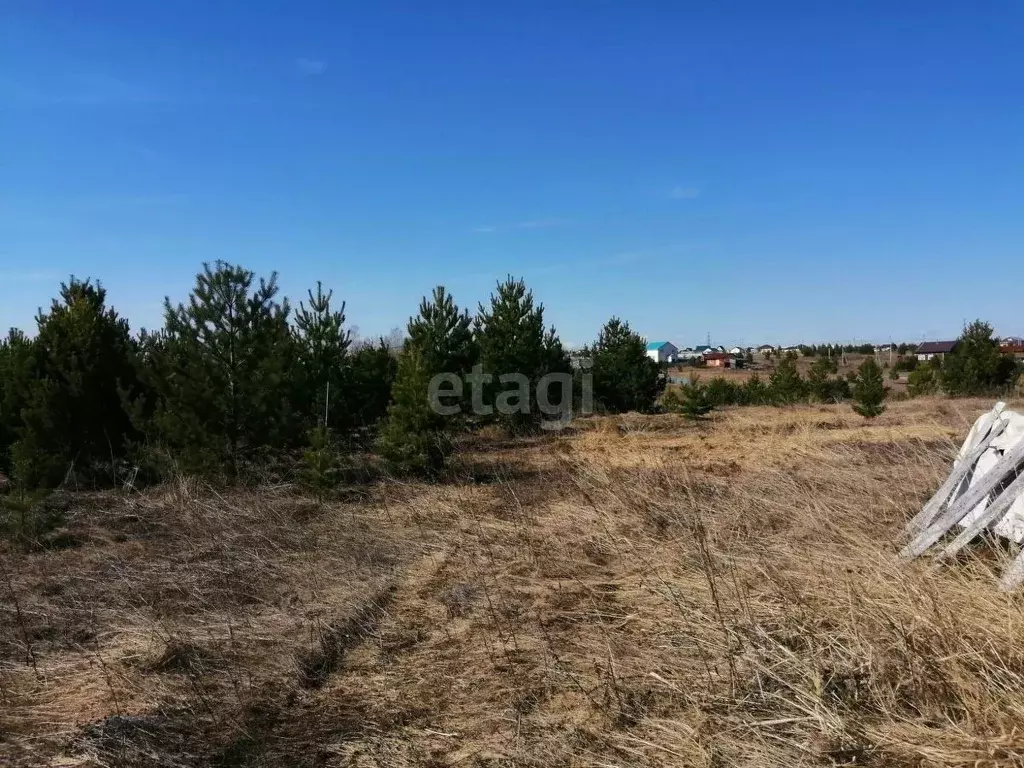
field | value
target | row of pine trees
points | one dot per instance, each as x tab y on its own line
236	382
236	379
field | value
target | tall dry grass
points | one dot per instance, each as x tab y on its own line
642	592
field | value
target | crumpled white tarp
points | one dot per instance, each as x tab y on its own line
1011	525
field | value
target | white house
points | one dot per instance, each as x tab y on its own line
929	349
662	351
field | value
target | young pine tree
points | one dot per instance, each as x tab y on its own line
756	392
922	381
320	467
17	363
692	401
372	370
818	379
511	338
786	385
322	352
625	378
416	438
869	390
225	372
413	438
442	334
73	414
977	366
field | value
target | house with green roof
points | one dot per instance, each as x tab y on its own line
662	351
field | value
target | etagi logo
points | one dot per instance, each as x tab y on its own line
553	394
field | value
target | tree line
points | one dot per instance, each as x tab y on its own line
236	378
237	382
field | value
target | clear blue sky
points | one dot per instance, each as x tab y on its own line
765	171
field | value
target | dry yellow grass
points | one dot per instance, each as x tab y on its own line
641	592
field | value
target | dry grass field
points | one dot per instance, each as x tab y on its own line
640	592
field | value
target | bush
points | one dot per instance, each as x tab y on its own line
720	392
906	363
923	381
691	400
319	472
756	392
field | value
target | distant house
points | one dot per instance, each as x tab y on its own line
737	351
719	360
578	359
930	349
1012	345
765	348
687	354
662	351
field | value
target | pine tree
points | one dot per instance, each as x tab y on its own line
923	380
756	392
416	437
320	467
372	372
625	378
17	364
869	390
73	415
413	439
691	400
786	385
818	379
443	335
323	345
512	339
976	366
225	372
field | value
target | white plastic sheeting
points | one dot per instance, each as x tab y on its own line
984	490
1011	524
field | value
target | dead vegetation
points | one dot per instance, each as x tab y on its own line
640	592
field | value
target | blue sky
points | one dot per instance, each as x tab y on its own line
761	171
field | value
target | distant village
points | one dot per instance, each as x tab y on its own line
667	353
